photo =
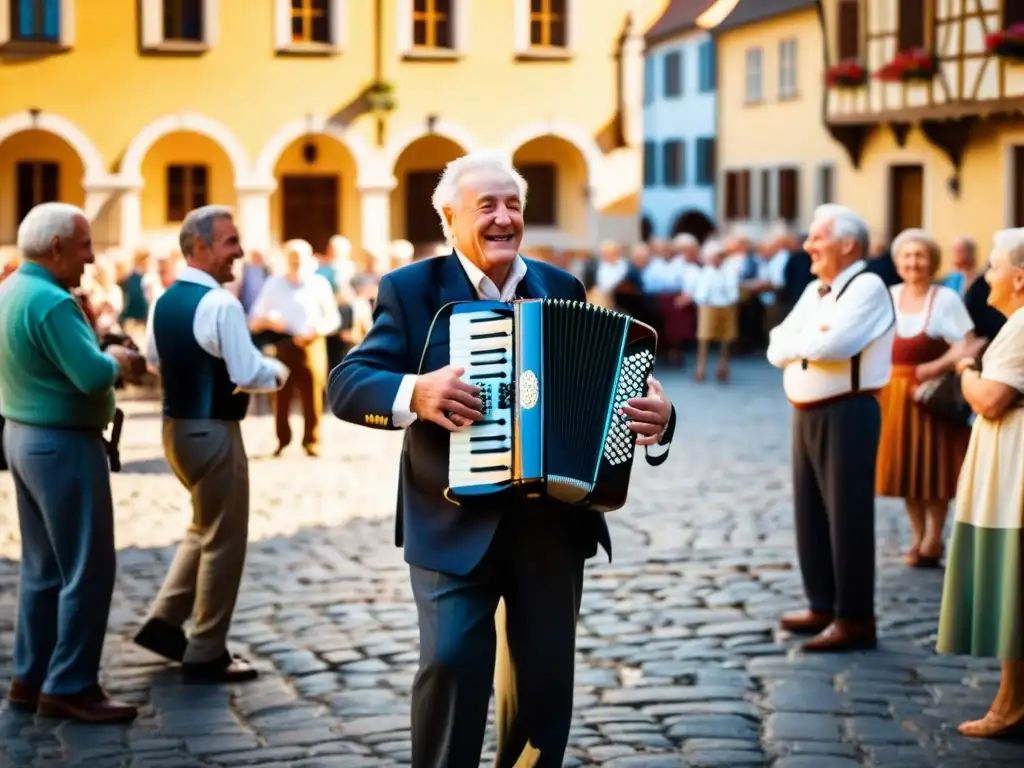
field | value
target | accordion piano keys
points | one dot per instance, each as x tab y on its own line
480	455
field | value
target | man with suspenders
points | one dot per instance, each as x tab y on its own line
836	351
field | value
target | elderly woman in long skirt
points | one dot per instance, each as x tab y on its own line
983	601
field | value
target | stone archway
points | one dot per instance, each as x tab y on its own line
694	223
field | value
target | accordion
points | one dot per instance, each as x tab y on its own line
552	375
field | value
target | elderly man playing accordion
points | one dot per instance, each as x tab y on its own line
530	554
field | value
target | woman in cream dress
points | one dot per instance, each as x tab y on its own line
983	601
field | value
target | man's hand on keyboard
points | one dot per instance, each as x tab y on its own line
443	398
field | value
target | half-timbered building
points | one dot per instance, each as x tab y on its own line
927	99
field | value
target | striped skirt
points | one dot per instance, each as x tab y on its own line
983	600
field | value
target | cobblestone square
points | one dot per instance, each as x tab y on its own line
679	660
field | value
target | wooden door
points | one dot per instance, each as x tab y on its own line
1018	186
422	226
906	198
311	204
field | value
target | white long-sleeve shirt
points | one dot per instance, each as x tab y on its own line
716	287
221	330
817	343
306	306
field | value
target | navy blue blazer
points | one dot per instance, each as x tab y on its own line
435	533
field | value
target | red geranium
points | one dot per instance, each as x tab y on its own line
917	64
846	74
1008	42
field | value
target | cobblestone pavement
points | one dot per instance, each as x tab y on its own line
680	662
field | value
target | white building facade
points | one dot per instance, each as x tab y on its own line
680	120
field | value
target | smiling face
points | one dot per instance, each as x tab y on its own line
914	263
829	255
70	255
486	220
1006	283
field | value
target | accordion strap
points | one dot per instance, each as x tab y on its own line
656	461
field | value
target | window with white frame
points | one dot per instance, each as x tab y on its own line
431	28
309	26
788	69
755	76
36	24
546	28
179	25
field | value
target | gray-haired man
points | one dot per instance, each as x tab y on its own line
200	342
836	349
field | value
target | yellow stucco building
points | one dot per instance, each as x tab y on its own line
316	117
930	107
776	160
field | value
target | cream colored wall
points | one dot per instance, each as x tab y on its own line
571	203
985	201
182	149
246	89
333	158
776	132
38	146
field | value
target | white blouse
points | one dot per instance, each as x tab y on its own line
948	320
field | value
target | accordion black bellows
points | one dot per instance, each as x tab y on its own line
553	375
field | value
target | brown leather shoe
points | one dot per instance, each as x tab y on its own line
226	669
805	622
23	696
843	635
92	705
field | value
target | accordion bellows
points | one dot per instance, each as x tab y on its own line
553	375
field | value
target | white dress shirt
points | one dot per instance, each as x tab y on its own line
308	306
944	311
816	343
401	413
659	277
773	271
610	274
221	331
716	287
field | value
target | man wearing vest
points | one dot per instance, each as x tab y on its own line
836	350
201	345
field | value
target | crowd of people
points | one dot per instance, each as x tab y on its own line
906	383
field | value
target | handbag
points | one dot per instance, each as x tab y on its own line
943	397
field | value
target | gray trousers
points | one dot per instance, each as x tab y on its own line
835	447
209	459
68	562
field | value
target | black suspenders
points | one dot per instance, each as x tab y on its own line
855	360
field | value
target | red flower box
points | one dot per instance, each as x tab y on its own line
846	74
1008	43
908	66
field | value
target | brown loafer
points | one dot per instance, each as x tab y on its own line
92	705
23	696
844	635
226	669
805	622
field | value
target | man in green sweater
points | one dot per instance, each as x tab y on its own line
57	395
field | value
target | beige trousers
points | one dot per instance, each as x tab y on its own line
209	459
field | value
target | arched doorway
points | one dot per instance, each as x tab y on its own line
316	196
693	223
36	166
181	171
418	169
646	229
558	205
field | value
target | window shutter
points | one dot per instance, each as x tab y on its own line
848	31
789	194
152	23
911	31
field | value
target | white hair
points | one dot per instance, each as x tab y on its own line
685	240
921	236
711	249
198	225
846	225
1011	242
451	180
45	222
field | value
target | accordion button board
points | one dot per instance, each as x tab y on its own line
553	375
